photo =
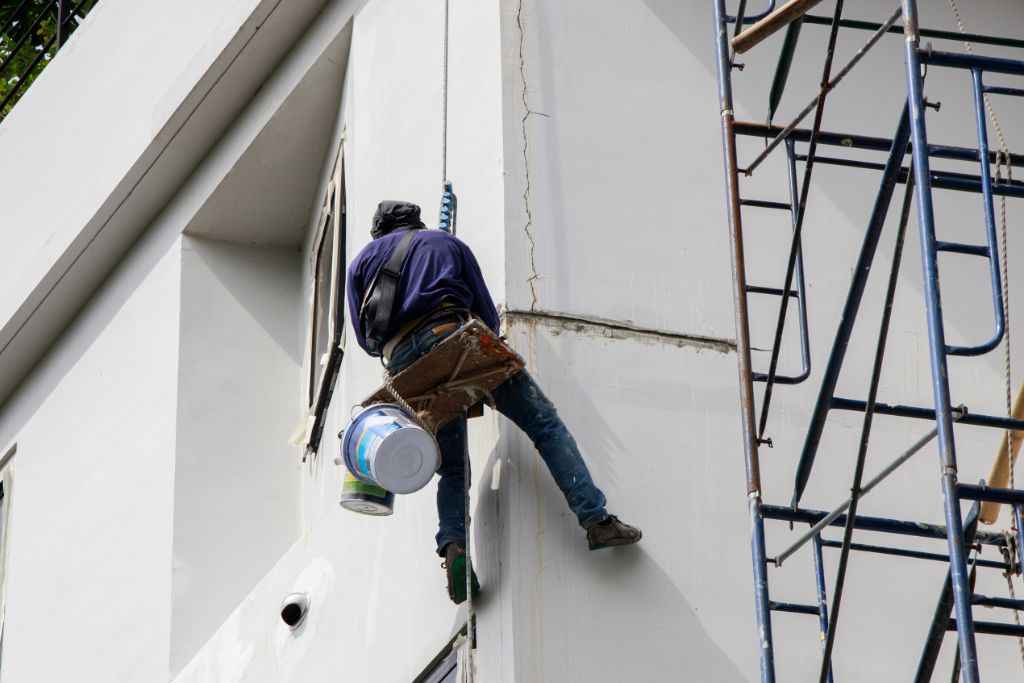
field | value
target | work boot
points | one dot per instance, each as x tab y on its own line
612	532
455	563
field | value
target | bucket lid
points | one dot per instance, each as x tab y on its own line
367	505
406	460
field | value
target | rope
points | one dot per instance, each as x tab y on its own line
469	675
1002	158
444	108
419	419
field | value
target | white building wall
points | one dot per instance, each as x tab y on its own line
236	504
90	553
94	579
109	132
614	219
584	146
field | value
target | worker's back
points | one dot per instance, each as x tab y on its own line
438	269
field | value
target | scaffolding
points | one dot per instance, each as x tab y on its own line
953	612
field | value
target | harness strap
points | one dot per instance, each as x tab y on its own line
375	313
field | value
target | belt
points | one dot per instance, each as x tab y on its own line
447	311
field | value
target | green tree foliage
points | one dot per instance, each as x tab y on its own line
28	42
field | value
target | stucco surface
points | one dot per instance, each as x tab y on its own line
236	478
584	145
88	548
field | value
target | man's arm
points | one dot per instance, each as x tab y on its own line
483	305
354	294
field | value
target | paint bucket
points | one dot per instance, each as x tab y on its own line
383	445
368	499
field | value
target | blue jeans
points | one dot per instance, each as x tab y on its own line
522	401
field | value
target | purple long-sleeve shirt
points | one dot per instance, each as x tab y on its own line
438	268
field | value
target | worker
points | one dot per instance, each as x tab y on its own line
439	286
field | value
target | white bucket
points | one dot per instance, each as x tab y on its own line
383	445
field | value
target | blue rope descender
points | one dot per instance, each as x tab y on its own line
449	207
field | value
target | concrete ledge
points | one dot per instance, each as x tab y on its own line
67	224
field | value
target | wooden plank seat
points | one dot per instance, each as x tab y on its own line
456	375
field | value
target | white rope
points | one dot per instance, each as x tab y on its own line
470	615
1002	158
420	419
444	104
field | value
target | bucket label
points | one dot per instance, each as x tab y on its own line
356	486
369	440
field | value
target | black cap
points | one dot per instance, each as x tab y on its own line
394	215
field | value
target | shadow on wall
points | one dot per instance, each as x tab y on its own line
566	613
666	640
613	615
233	264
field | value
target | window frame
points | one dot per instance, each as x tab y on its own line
324	364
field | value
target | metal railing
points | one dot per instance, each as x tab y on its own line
31	33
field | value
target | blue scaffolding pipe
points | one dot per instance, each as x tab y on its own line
988	493
861	271
801	213
800	292
793	608
1003	603
999	90
944	605
866	489
997	65
938	349
750	445
946	180
990	628
883	525
915	554
959	413
1018	514
748	20
990	231
954	608
864	142
822	591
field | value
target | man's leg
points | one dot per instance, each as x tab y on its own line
451	508
523	402
451	489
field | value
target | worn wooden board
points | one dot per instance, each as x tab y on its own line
457	374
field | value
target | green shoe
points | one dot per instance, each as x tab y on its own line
455	563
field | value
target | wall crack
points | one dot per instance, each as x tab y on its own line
527	113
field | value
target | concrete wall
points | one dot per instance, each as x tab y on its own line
376	584
584	145
614	214
90	571
140	95
236	478
103	514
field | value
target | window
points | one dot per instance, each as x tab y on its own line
445	667
327	315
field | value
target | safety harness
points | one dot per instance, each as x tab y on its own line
379	302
